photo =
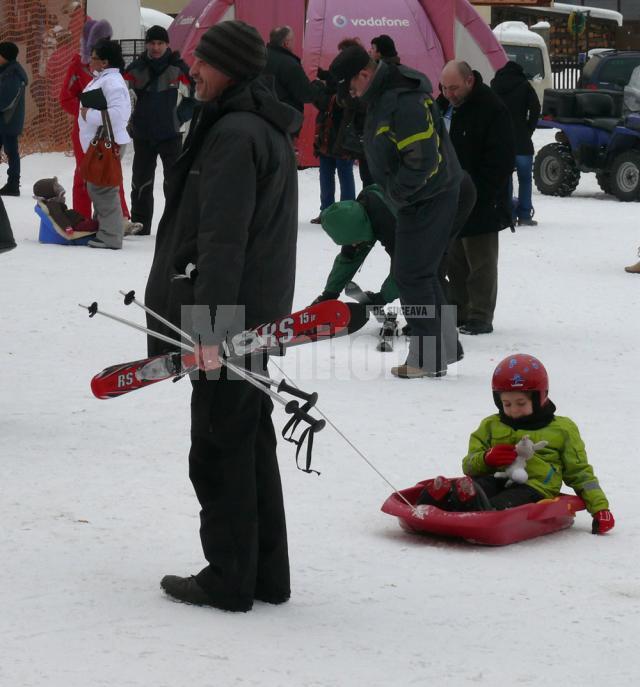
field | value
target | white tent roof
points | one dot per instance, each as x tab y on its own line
565	8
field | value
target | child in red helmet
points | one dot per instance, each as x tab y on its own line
520	391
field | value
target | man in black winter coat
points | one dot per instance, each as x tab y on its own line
513	88
481	133
230	224
164	103
292	85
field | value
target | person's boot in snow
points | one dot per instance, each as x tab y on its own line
188	590
11	188
633	269
409	372
527	221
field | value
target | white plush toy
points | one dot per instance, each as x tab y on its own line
517	471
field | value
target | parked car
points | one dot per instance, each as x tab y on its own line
609	70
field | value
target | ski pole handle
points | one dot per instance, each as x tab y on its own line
293	408
311	399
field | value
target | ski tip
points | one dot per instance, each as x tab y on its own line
359	316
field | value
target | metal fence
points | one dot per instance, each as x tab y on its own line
131	48
566	72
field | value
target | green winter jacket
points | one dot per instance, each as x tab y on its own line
563	458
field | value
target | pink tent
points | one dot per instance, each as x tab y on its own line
427	34
199	15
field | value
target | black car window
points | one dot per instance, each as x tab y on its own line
528	57
617	70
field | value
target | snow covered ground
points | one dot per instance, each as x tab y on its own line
96	504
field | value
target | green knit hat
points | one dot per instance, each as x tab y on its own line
347	222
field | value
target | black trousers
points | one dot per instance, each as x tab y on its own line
500	496
365	174
496	490
422	236
7	242
9	143
145	156
234	470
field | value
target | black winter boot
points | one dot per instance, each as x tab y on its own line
188	590
11	188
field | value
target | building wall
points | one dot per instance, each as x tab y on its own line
167	6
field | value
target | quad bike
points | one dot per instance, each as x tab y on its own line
593	137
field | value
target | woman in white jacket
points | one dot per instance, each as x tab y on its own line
106	64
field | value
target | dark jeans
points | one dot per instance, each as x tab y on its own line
10	146
145	156
234	470
524	206
328	168
422	236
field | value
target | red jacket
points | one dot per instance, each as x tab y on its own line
77	77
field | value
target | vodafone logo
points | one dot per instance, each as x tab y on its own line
340	21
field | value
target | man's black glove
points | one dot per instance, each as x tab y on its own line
325	296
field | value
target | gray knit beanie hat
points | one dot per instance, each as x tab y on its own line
233	47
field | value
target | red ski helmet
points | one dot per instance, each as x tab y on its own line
521	372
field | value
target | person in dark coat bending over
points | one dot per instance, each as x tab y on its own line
411	158
230	224
481	132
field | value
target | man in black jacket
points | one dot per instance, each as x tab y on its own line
512	86
292	85
411	158
481	133
164	102
231	223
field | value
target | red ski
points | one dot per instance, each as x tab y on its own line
324	320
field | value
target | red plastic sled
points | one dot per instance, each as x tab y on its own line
493	528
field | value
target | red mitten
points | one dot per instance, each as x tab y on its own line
602	522
500	455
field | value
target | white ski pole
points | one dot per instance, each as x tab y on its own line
93	310
353	446
130	297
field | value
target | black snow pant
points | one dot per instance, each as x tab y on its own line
422	236
145	156
501	496
234	470
7	241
